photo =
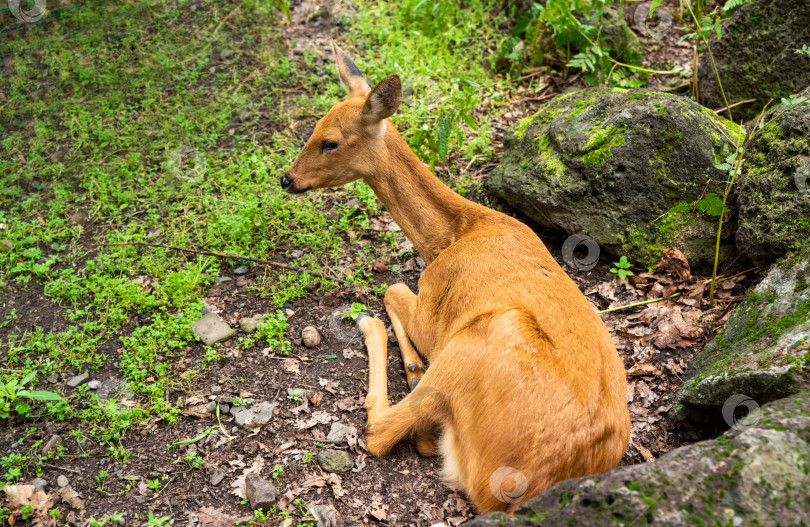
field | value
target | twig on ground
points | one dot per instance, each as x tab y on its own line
734	105
204	252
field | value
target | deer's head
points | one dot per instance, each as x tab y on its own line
348	143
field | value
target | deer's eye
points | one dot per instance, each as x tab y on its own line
328	146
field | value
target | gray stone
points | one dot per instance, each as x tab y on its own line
310	336
40	483
94	384
761	354
620	166
755	474
78	380
62	481
52	443
257	415
332	460
756	57
774	187
260	492
216	389
242	269
52	378
211	407
224	409
337	432
140	500
217	477
249	324
212	329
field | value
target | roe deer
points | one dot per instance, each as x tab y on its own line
525	387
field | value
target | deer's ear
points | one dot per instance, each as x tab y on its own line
383	100
350	76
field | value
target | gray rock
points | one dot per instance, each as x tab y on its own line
216	389
774	188
52	443
310	337
78	380
257	415
260	492
62	481
755	474
249	324
619	166
94	384
217	477
761	354
212	329
224	409
242	269
140	500
332	460
40	483
211	407
52	378
756	56
337	432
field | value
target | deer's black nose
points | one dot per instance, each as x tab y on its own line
285	182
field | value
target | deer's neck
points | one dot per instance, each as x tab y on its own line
431	215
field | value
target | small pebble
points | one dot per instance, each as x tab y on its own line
62	481
94	384
52	378
224	409
310	337
78	380
40	483
212	407
242	269
216	390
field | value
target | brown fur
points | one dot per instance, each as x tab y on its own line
525	387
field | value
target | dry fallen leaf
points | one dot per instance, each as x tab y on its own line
211	517
239	483
292	366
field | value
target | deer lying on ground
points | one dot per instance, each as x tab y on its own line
525	387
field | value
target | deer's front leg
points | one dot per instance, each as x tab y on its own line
387	425
400	303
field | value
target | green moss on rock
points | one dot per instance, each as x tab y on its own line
612	164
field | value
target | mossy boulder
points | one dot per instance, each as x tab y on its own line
763	353
774	193
756	57
619	166
756	474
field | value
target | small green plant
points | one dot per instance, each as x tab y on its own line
194	461
26	512
277	471
101	480
153	484
296	395
308	457
621	268
272	331
355	311
13	396
805	49
154	521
